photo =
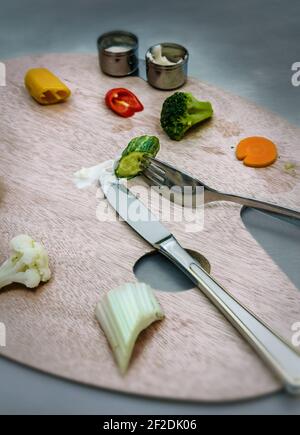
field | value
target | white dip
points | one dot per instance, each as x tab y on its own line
118	48
104	173
156	57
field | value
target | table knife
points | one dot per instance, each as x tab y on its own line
281	356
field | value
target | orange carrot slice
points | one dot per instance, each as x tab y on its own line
257	152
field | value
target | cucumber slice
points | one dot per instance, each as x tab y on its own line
131	165
134	158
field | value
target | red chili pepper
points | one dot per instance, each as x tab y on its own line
123	102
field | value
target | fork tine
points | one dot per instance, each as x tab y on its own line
160	175
174	176
151	177
156	166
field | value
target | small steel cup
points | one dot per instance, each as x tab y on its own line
118	63
168	77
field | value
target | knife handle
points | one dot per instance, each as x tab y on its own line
281	356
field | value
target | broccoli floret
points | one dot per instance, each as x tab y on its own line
181	111
28	263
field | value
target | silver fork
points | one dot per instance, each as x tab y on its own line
168	179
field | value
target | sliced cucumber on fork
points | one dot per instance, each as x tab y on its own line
134	160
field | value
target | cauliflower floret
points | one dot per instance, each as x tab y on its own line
28	263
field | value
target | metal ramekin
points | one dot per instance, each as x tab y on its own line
118	64
168	77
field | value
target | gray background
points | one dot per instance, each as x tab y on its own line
244	46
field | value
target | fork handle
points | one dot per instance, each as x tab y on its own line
261	205
281	357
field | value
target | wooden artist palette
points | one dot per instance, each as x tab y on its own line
195	353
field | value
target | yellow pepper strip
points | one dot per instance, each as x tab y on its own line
45	87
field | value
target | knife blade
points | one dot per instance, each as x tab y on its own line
280	355
136	214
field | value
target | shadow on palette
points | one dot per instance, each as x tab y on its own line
280	238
